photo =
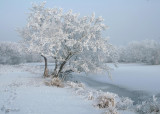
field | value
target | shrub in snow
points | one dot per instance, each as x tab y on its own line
112	102
78	87
152	106
47	83
74	42
57	82
124	103
90	96
106	100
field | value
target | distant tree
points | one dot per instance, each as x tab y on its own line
147	51
74	42
10	53
13	53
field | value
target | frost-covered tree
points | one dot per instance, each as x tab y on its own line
10	53
74	42
147	51
13	53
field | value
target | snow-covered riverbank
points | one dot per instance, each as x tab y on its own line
136	81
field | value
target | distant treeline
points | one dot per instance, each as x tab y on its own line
14	53
147	51
135	52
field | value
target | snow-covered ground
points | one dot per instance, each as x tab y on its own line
22	89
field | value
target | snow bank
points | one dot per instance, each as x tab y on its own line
111	102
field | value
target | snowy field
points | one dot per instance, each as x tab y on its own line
22	89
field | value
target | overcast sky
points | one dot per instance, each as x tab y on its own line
128	20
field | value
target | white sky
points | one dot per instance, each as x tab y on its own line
128	20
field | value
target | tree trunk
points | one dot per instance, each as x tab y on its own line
64	62
54	74
45	69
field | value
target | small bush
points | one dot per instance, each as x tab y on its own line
57	82
152	106
90	96
124	103
106	100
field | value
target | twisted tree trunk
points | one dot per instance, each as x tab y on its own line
54	74
63	63
45	69
59	67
